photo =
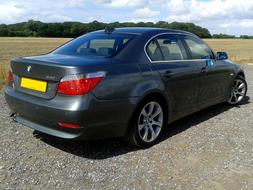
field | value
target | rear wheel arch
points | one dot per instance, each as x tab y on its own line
154	96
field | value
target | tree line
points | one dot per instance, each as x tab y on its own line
226	36
33	28
73	29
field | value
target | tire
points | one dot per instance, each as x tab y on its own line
239	91
147	123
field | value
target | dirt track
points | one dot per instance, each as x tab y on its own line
211	149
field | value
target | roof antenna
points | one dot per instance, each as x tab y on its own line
109	29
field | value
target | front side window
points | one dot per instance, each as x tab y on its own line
101	45
197	48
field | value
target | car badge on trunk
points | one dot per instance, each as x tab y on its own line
29	68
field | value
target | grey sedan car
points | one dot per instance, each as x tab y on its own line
124	82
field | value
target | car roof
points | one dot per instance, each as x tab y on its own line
144	30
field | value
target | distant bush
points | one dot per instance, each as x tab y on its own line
226	36
223	36
246	37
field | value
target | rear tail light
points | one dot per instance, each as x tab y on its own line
10	77
69	125
80	84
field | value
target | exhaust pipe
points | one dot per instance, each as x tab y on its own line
13	114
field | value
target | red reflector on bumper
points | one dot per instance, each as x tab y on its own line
69	125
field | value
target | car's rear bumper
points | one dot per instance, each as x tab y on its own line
98	119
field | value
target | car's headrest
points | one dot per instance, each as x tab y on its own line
87	51
103	51
166	51
157	56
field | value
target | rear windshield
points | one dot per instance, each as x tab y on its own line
102	45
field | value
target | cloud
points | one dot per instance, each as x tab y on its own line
219	16
74	3
179	7
197	11
10	12
245	23
57	18
121	3
145	13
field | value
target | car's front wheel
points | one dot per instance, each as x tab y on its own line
239	91
148	123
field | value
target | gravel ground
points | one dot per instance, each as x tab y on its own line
211	149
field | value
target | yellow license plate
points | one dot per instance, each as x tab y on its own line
32	84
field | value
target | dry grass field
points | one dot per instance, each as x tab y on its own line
18	47
238	50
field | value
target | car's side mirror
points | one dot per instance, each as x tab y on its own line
222	55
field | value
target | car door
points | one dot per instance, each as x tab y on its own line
214	76
180	76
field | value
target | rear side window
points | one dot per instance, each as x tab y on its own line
101	45
166	48
154	51
197	48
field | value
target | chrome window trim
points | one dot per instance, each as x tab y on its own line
163	61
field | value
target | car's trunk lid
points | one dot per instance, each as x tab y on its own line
49	69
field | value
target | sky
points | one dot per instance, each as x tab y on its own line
219	16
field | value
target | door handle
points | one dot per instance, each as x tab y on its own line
210	63
168	74
204	70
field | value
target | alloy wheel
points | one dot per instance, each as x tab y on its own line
238	91
150	121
